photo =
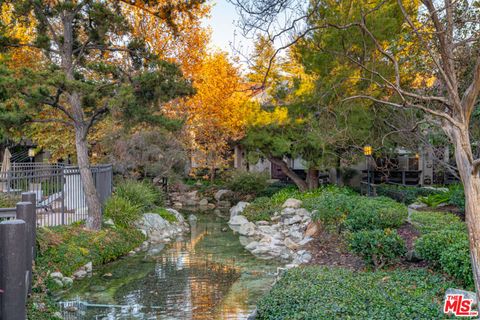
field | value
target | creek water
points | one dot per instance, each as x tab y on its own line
206	275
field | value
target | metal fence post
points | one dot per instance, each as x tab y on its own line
12	270
25	212
32	198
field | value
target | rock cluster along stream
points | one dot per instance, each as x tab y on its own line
281	238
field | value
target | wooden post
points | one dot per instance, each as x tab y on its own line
32	198
25	212
12	270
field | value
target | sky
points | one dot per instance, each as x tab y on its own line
222	22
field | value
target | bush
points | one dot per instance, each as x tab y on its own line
142	194
431	246
455	261
165	214
335	293
122	211
427	222
247	182
332	209
376	213
273	188
404	194
261	209
377	247
9	201
434	200
457	196
67	248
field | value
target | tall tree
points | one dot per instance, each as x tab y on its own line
445	40
95	64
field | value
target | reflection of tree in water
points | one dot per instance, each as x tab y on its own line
183	283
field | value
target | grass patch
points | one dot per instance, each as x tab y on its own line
165	214
321	293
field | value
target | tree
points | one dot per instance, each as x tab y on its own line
216	115
444	34
94	65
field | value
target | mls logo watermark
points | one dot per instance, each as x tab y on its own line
459	306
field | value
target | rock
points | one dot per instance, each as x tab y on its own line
313	229
177	205
178	215
252	245
192	218
56	275
247	229
412	256
224	229
107	275
466	295
269	230
224	204
67	281
417	205
262	223
303	212
291	265
222	193
210	206
80	274
237	220
203	202
109	222
288	212
70	309
292	220
305	241
238	208
290	244
88	267
58	282
292	203
302	256
253	315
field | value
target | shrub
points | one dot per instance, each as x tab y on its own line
122	211
403	194
431	246
66	248
261	209
457	196
455	261
434	200
427	222
322	293
377	247
332	209
8	201
376	213
142	194
165	214
247	182
273	188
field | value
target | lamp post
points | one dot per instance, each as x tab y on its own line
31	154
367	151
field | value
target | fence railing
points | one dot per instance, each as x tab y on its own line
58	189
17	251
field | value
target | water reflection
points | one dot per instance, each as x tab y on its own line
206	276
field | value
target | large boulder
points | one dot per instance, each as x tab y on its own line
238	208
247	229
221	194
158	229
177	215
292	203
237	220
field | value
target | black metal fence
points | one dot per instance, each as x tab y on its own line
58	189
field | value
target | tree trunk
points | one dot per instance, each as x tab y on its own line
471	185
301	184
94	221
312	178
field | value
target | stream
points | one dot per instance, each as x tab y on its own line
206	275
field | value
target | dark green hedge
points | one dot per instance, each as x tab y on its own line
403	194
321	293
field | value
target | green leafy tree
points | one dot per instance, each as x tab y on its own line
92	65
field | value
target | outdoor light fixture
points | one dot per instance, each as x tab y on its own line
367	150
31	152
417	156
